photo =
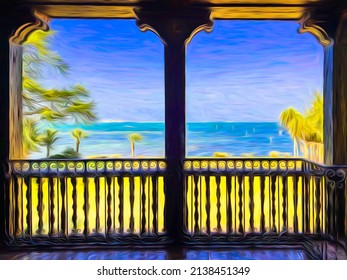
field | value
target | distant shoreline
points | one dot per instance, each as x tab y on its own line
203	139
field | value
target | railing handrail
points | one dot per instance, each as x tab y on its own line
88	159
322	165
246	158
87	167
273	159
90	166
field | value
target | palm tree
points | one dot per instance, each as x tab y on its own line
31	136
78	134
48	139
315	116
306	128
133	138
294	122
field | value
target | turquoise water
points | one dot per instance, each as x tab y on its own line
203	139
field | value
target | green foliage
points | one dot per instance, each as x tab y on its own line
67	153
48	139
221	154
48	104
278	154
294	122
37	54
315	118
133	138
31	135
307	126
78	134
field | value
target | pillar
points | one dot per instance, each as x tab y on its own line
175	28
17	22
332	34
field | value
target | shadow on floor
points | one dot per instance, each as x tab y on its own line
158	254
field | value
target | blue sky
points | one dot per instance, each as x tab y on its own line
241	71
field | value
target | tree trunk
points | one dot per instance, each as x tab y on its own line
132	148
313	151
296	147
321	153
47	155
78	145
306	149
316	151
301	147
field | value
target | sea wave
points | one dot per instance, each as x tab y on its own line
202	139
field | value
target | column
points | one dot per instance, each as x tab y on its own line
335	115
335	92
16	24
331	31
175	28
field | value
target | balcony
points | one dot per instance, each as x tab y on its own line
180	203
234	202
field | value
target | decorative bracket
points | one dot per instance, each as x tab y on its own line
37	21
174	27
320	29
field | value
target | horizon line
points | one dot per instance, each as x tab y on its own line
124	121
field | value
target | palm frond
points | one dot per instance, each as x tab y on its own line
307	126
78	134
135	137
49	137
31	135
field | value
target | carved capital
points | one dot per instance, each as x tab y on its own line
174	27
323	30
27	25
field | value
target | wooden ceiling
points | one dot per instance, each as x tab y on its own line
220	9
187	2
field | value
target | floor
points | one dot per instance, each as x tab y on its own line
157	254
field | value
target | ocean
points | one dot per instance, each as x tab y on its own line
203	139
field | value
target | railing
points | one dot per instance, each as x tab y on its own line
225	200
238	198
86	200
